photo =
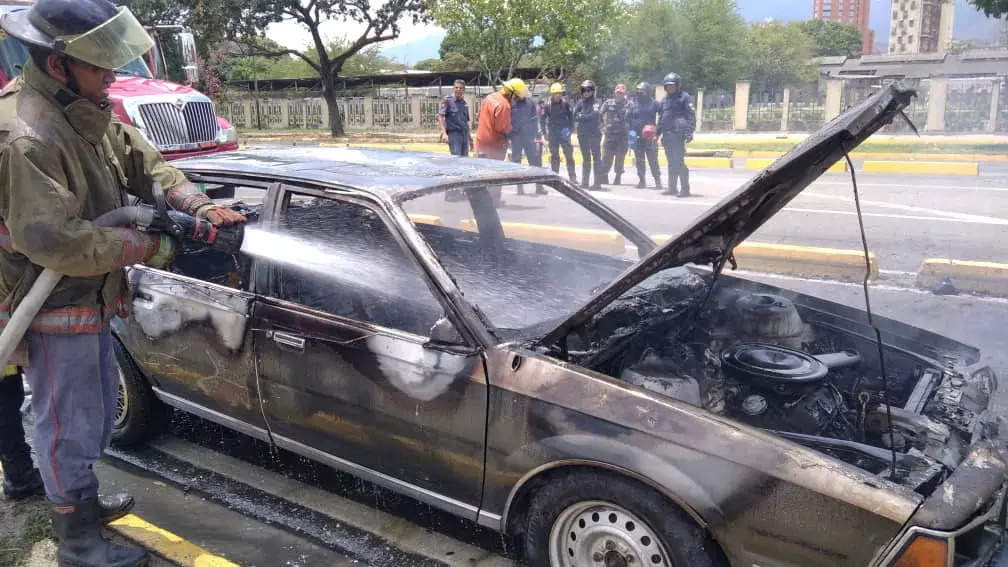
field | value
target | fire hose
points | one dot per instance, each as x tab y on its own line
180	226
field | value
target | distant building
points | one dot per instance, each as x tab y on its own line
849	12
921	26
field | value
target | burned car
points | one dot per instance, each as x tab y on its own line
550	372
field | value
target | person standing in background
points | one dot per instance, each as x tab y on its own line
453	118
589	131
676	125
524	132
615	124
643	114
557	123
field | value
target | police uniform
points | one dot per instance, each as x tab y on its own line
557	121
588	117
616	128
524	131
643	112
456	116
677	123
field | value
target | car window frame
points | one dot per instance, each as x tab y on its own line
264	282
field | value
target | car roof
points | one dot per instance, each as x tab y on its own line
12	5
391	172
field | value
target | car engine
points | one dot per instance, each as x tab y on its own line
756	357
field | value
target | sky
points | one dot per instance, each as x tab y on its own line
418	42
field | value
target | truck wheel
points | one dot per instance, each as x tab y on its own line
138	412
591	518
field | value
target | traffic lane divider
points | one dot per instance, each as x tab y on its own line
166	544
802	261
426	219
608	242
762	163
924	167
989	278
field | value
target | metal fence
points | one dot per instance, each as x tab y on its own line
857	90
969	104
766	109
718	112
807	109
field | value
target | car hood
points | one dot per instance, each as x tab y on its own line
738	215
127	86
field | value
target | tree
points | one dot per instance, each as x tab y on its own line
428	65
245	22
780	54
991	8
498	37
833	38
455	62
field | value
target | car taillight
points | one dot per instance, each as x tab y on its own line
924	551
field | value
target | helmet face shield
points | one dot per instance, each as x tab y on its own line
111	45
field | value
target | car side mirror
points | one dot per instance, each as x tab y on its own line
444	333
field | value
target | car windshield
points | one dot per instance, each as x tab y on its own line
532	261
136	68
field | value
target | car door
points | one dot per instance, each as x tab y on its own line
188	331
348	372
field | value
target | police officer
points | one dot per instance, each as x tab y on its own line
557	123
615	124
676	126
643	129
63	163
589	131
524	132
454	120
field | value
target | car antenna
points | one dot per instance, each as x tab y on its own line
871	320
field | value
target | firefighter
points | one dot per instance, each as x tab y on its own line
615	124
453	117
589	131
20	477
63	162
557	123
643	129
494	124
676	125
524	133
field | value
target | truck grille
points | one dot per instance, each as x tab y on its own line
169	126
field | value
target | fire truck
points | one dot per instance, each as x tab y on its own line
177	119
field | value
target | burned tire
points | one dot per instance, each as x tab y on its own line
590	518
138	412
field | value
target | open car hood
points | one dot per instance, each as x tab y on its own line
738	215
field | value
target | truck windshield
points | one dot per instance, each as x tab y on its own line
13	56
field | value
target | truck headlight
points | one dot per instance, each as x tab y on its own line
923	551
227	135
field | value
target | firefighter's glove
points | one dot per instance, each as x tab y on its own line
164	251
220	216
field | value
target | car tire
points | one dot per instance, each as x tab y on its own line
138	411
583	518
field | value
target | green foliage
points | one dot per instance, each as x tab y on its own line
428	65
453	61
779	54
498	37
833	38
992	8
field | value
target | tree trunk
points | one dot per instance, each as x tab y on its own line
335	119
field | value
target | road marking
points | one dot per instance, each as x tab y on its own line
954	218
167	544
925	210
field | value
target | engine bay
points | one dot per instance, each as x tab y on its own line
765	359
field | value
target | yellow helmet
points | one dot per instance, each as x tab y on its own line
557	88
516	87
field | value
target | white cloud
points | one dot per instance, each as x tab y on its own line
295	36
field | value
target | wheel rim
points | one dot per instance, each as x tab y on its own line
600	534
122	402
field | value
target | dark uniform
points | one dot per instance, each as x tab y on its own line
589	130
557	122
456	115
524	131
616	126
643	112
676	125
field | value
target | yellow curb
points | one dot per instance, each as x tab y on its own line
802	261
762	163
709	162
981	277
607	242
930	167
426	219
167	544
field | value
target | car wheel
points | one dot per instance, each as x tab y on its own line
589	518
137	410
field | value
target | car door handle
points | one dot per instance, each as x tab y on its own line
289	340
